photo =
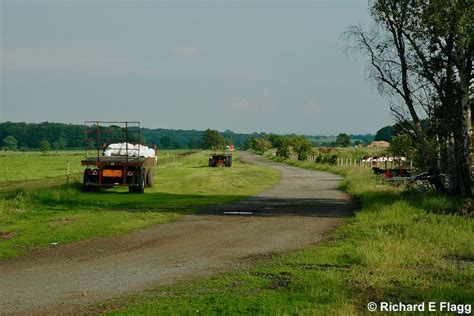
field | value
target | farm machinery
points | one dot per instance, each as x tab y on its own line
116	157
220	160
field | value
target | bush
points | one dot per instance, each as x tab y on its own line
283	150
303	147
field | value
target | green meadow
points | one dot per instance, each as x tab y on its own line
34	215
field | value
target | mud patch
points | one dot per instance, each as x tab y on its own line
276	281
6	235
258	256
319	266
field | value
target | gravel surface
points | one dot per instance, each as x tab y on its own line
295	213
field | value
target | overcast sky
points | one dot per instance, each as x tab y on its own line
272	66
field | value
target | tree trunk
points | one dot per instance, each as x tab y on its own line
451	170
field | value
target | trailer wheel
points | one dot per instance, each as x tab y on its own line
150	177
86	180
131	181
229	159
210	162
141	182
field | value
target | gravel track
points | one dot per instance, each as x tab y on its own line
296	213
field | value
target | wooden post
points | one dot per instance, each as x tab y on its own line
68	171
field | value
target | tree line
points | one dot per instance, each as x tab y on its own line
420	55
57	136
26	136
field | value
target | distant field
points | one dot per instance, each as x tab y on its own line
18	166
35	217
21	166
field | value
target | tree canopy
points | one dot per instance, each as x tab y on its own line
212	139
10	143
420	55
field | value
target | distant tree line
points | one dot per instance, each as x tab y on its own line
57	136
25	136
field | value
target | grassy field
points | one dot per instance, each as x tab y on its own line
35	169
35	217
401	246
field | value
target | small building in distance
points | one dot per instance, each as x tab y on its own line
379	144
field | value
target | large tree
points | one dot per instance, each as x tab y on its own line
212	139
10	142
420	54
343	140
386	133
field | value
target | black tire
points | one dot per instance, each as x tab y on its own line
150	178
85	181
141	181
210	162
230	162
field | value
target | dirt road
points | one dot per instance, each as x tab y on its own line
293	214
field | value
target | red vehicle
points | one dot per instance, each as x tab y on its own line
220	160
115	157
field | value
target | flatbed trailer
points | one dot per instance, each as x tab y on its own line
117	170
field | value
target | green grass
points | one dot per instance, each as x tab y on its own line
35	169
36	217
400	246
21	166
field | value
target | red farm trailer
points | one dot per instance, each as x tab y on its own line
116	157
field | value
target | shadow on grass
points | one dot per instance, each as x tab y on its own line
270	206
70	196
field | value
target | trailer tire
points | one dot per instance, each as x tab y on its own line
141	181
132	188
86	180
210	162
150	178
230	161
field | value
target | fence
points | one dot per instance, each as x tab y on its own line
359	163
